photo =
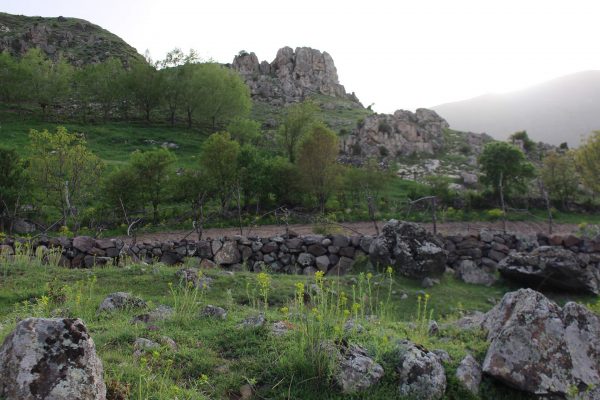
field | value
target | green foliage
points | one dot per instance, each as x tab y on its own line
146	87
121	192
218	160
63	169
297	121
504	165
103	83
559	175
522	136
588	161
14	185
245	131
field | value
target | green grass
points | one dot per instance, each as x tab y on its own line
214	357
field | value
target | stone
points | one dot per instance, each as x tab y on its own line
50	359
553	267
343	267
322	263
365	243
427	283
281	328
305	259
420	372
120	301
340	241
204	249
539	348
468	374
352	326
84	243
467	271
473	320
316	250
469	179
443	355
409	249
6	250
160	313
254	322
215	246
246	392
170	258
347	252
213	312
270	247
207	264
228	254
309	271
355	371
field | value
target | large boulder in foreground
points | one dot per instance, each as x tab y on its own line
410	249
355	370
421	373
542	349
553	267
50	359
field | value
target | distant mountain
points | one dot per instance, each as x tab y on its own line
560	110
80	41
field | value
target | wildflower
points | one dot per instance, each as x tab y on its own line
369	276
389	270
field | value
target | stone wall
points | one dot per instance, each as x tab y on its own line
333	254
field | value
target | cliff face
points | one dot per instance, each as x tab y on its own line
79	41
400	134
292	76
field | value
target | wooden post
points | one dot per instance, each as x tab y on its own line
434	214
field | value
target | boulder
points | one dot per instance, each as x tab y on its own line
410	249
306	259
468	374
50	359
553	267
469	272
84	243
228	254
420	371
119	301
537	347
355	371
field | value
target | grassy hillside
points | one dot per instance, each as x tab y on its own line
215	358
80	41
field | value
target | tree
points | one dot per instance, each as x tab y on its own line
102	83
64	170
121	192
559	175
219	161
297	120
588	161
152	170
523	138
193	187
10	76
317	165
48	82
505	168
245	131
146	86
14	185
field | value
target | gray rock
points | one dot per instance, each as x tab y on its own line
160	313
537	347
471	321
281	328
355	371
410	249
469	374
84	243
469	272
119	301
254	322
228	254
213	312
322	263
352	326
306	259
340	241
421	374
553	267
427	283
50	359
442	355
343	267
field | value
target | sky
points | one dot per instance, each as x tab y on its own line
393	54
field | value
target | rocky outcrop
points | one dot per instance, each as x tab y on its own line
400	134
410	249
542	349
554	267
291	77
50	359
79	41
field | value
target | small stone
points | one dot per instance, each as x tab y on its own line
254	322
213	311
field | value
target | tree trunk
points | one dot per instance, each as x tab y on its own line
154	212
189	118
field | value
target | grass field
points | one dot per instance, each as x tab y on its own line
215	357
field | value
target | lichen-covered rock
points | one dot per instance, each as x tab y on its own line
469	272
119	301
553	267
50	359
213	311
537	347
469	373
160	313
410	249
254	322
355	371
228	254
420	371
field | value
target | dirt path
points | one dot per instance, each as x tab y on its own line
353	228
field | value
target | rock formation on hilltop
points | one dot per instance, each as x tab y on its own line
292	76
400	134
79	41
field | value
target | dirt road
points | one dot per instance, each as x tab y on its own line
353	228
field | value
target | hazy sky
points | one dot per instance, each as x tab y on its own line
396	54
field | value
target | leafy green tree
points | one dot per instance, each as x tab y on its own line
14	186
152	170
219	161
11	78
63	169
48	82
176	79
194	188
297	121
505	168
588	161
283	181
245	131
121	192
103	84
559	175
319	172
146	86
522	136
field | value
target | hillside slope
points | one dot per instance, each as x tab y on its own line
80	41
560	110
